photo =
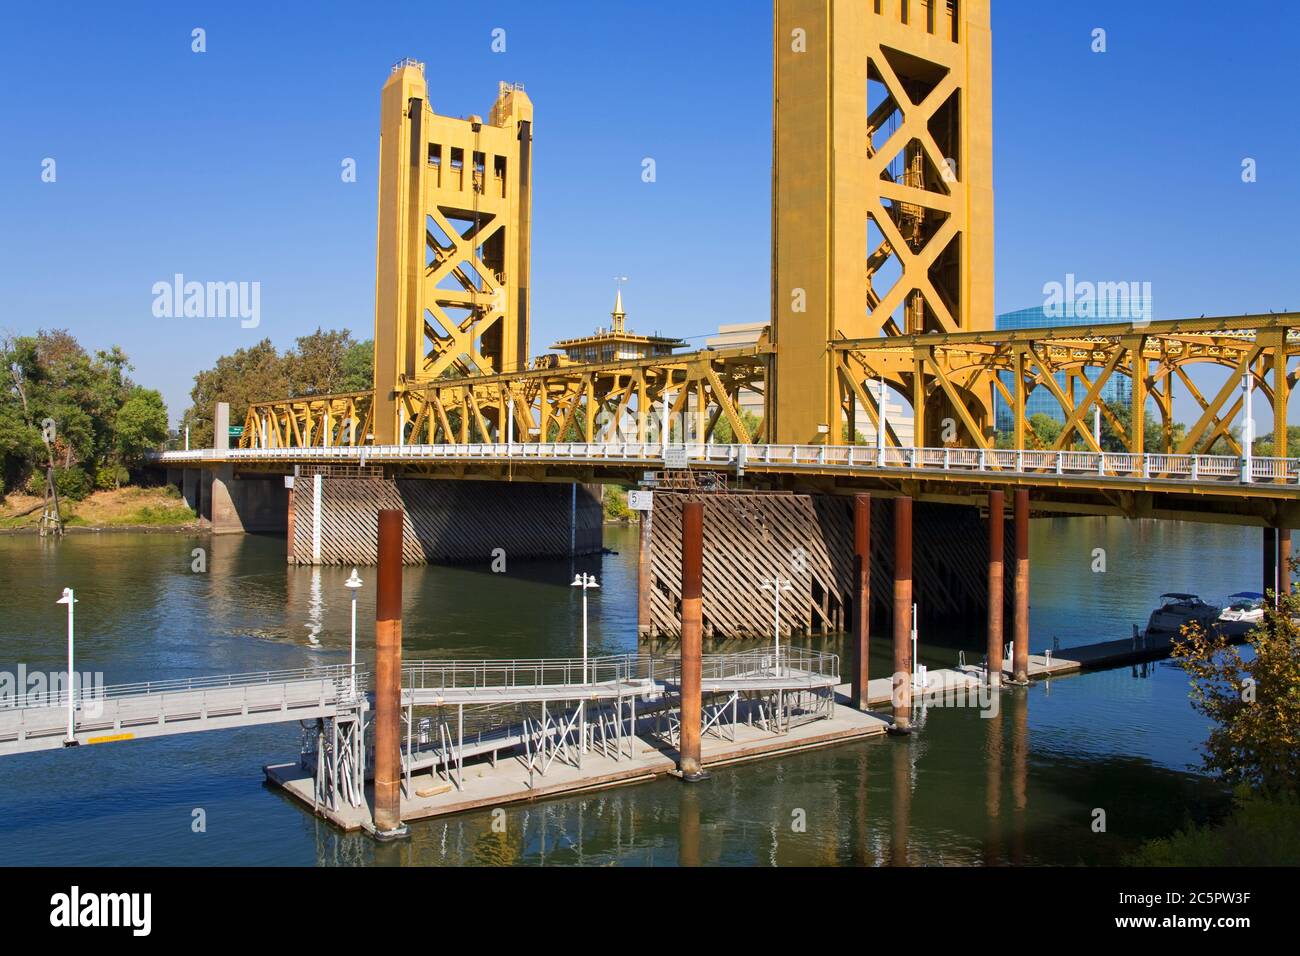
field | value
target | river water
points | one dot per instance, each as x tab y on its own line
1024	787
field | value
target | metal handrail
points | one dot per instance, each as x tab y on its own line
517	674
333	674
1103	465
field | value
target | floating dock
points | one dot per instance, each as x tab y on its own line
485	785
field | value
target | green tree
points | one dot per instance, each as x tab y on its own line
51	379
722	433
359	367
322	363
327	363
1264	446
141	424
251	375
1252	698
1153	434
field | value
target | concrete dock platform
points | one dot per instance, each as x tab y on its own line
507	783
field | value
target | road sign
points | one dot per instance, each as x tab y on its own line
236	431
675	457
641	500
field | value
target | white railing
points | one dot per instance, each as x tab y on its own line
334	676
524	674
1197	469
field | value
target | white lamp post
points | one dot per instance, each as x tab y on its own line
776	586
668	405
1247	427
70	740
882	426
586	582
353	584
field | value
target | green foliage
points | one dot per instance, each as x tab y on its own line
1260	831
614	500
323	363
111	476
141	424
72	483
1264	446
49	376
1153	435
1252	698
150	515
723	434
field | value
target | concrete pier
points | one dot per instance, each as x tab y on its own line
902	614
997	586
692	637
861	648
388	678
1020	643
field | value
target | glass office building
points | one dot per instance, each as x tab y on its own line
1041	401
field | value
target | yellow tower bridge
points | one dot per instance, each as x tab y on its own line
882	285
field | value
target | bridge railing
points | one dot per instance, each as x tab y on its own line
791	662
1065	463
434	675
336	676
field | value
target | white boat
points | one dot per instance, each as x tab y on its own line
1247	606
1177	610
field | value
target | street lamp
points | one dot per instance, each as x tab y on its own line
69	600
777	586
668	404
586	582
353	584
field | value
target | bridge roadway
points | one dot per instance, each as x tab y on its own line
1188	487
34	722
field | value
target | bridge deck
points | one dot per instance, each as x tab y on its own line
156	709
161	708
1089	469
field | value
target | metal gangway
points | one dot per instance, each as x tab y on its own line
545	710
101	714
547	707
537	711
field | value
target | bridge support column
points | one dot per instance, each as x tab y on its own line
692	628
289	526
1271	565
997	545
645	576
861	600
902	679
388	679
1283	562
190	480
1020	648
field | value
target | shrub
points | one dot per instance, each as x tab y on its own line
73	483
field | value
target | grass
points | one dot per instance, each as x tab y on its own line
131	507
1260	831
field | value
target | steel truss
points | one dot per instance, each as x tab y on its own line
959	375
334	751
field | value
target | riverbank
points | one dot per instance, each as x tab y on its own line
120	509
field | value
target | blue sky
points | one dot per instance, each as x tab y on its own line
225	165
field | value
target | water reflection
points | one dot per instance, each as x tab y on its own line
966	790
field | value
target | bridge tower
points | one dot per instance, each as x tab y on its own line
882	198
455	201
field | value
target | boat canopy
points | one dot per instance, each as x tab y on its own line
1180	597
1247	595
